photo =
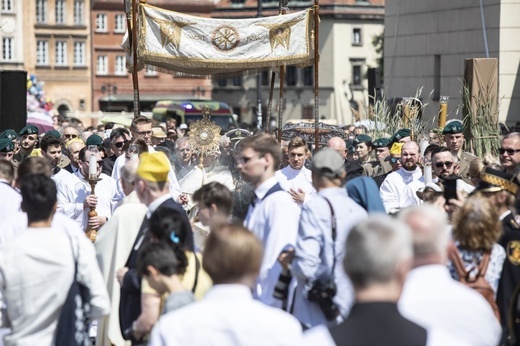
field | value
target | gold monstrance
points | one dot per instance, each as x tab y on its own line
204	135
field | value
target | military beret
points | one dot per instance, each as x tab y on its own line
29	129
381	142
94	139
9	134
350	146
53	133
492	180
453	127
6	145
362	139
402	133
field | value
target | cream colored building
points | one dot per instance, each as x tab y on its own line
11	35
346	31
426	43
57	50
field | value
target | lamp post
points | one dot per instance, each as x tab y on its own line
110	90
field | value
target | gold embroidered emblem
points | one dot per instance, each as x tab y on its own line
513	252
225	38
171	31
280	34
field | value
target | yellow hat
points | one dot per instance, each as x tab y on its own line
153	167
396	148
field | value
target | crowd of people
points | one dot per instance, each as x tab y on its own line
401	240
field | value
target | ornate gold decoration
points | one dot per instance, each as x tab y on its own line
280	34
225	38
170	31
500	183
513	252
204	135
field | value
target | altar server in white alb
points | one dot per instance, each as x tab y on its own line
273	216
296	179
393	189
74	192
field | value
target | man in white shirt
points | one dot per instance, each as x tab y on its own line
35	289
75	198
431	298
296	178
51	150
393	188
273	216
228	315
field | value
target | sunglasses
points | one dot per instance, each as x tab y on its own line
120	144
70	136
509	152
244	160
448	164
100	162
394	160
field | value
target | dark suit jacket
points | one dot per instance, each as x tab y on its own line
130	301
378	323
68	168
108	165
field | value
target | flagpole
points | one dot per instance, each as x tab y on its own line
134	53
259	80
283	10
316	74
270	104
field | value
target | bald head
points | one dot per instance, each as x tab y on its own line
410	156
339	145
411	145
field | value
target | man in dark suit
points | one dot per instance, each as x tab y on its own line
153	190
378	256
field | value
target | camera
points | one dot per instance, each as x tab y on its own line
322	293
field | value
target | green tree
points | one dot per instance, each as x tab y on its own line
378	42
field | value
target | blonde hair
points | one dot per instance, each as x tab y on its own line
476	226
477	165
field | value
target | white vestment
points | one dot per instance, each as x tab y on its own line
393	188
290	178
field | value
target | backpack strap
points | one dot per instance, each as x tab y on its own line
482	268
197	268
454	256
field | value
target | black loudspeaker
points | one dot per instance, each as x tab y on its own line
374	84
13	100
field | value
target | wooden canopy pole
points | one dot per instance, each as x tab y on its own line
316	74
267	126
135	79
283	4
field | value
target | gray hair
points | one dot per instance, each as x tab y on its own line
181	141
429	229
129	170
515	135
374	248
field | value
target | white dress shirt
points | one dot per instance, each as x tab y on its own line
274	220
290	178
393	188
74	189
36	272
226	316
11	200
432	299
314	253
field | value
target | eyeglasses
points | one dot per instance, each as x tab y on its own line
244	160
448	164
145	133
509	152
70	136
120	144
394	160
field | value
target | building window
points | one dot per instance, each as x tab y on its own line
60	11
291	76
42	53
102	64
120	23
150	72
41	11
79	54
357	72
222	82
79	9
120	65
61	53
101	22
7	49
308	76
238	2
7	5
356	37
237	81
